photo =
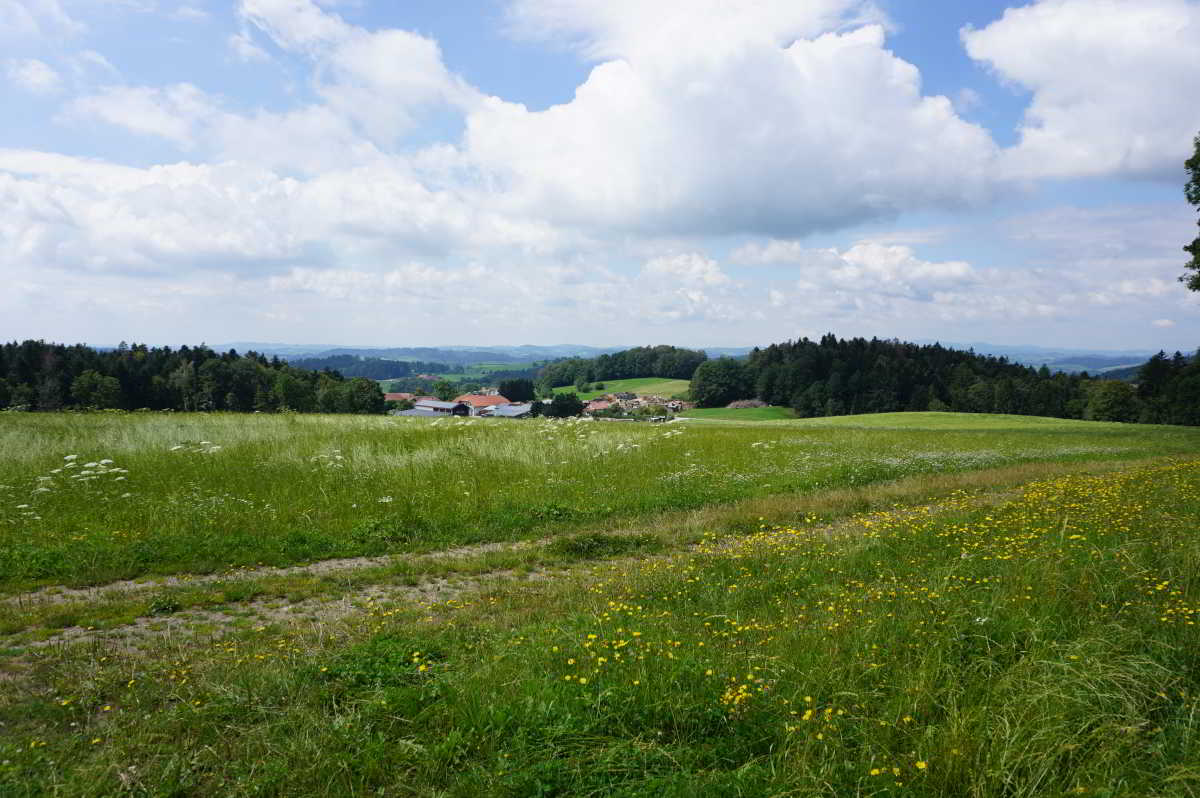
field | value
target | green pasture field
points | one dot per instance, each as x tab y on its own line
926	605
642	386
89	498
741	414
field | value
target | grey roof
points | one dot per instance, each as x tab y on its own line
424	412
439	405
511	411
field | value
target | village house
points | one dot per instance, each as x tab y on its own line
481	404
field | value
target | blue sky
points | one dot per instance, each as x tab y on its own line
545	171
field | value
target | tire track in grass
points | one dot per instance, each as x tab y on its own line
430	588
425	594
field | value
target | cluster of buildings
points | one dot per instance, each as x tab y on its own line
629	402
469	404
493	405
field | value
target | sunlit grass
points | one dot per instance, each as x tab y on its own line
167	493
1041	645
741	414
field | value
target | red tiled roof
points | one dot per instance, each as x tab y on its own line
479	400
397	397
598	404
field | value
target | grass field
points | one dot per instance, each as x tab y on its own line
642	386
741	414
920	604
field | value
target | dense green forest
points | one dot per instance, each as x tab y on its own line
1168	390
44	376
836	377
374	368
668	362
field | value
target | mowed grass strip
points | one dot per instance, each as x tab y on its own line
93	498
1042	646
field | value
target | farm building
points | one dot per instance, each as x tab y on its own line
511	411
443	408
479	402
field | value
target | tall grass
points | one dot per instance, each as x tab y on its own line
1044	646
92	498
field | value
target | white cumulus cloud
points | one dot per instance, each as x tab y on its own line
1110	82
816	134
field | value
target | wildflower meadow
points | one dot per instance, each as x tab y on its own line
909	604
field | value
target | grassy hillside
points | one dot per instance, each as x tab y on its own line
908	421
963	421
643	386
929	605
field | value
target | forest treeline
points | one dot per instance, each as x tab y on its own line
834	377
668	362
374	368
44	376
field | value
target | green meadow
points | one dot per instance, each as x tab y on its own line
643	386
742	414
907	604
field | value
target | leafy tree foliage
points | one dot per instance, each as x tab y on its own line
518	390
1112	400
564	405
718	382
1191	190
445	390
93	389
44	376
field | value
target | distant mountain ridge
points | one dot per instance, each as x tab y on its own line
1065	359
455	355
